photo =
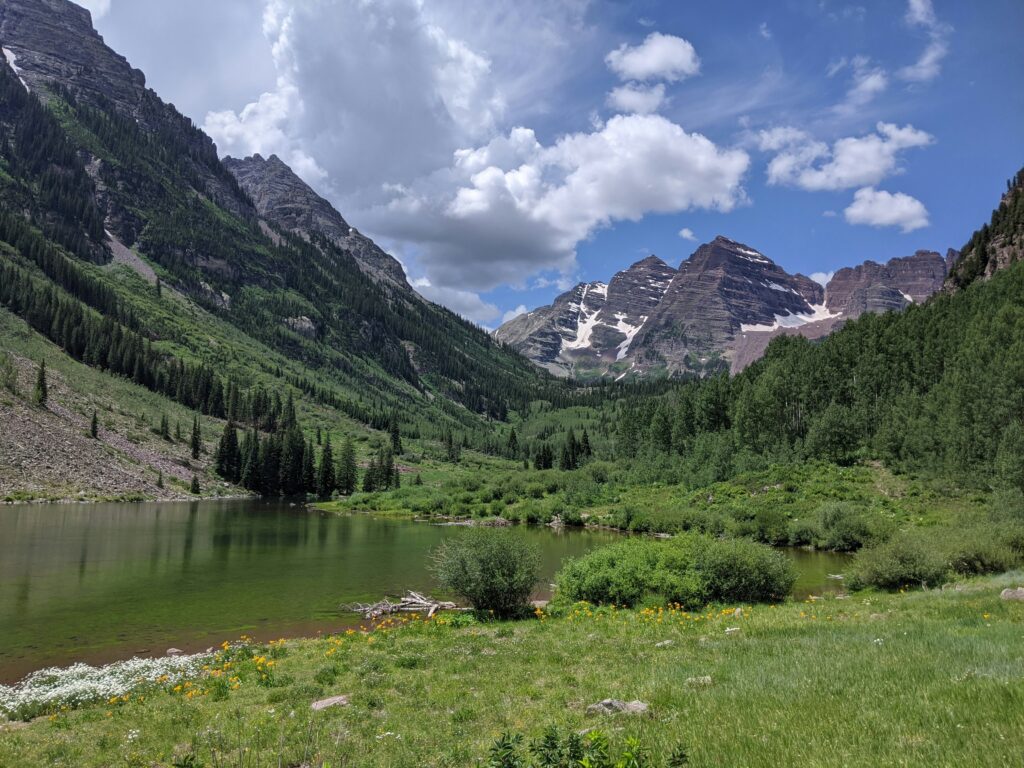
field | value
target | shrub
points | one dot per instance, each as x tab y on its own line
844	527
690	569
493	569
738	570
907	558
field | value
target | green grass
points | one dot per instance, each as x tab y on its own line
923	678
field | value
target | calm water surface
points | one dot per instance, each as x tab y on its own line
100	582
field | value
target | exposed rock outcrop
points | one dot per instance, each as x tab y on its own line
286	201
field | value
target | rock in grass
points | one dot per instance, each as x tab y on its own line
663	644
615	706
703	681
1012	594
174	651
333	701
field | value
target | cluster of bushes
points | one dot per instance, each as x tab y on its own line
594	750
690	569
931	556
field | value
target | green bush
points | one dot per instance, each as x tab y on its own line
909	558
690	569
492	568
738	570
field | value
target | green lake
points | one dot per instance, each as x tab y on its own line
106	581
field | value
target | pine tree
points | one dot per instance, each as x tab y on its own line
165	427
309	477
348	475
325	481
319	436
512	448
42	391
585	449
370	478
177	431
159	289
197	438
251	461
396	436
160	479
418	480
94	426
194	487
229	462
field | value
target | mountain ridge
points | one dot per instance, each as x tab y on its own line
718	311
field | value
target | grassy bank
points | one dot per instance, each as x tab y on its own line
921	678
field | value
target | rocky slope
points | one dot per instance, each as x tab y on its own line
285	200
719	310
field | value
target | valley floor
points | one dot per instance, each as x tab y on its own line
933	678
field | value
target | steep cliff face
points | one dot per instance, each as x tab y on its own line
590	329
721	289
996	245
873	287
286	201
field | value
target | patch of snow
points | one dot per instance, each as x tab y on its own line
585	323
12	60
630	332
625	372
751	255
908	297
818	312
599	289
776	287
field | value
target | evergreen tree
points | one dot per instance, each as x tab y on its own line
326	482
177	431
251	461
418	480
42	391
370	478
159	289
512	447
229	459
160	479
94	426
197	438
396	436
319	437
309	476
348	476
165	427
585	450
194	487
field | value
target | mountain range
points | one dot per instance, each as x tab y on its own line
718	310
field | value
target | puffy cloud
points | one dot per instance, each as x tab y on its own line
849	162
633	97
920	13
878	208
764	31
465	303
519	207
98	8
512	314
659	57
822	278
344	94
687	234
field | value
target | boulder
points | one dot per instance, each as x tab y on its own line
333	701
1012	594
174	652
617	706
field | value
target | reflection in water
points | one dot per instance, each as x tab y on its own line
110	580
107	580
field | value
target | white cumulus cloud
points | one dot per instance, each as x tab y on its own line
921	14
687	234
634	97
512	314
878	208
853	161
658	57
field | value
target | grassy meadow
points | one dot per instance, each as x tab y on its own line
916	678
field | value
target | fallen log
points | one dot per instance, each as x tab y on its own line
413	602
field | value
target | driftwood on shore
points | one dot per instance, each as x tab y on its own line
413	602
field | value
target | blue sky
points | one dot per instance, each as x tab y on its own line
507	150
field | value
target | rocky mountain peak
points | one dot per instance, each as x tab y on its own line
906	280
287	202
